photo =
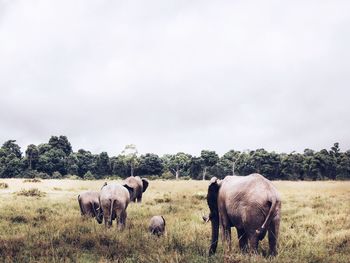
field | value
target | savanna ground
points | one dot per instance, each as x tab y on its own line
315	225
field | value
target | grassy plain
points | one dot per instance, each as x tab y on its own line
315	225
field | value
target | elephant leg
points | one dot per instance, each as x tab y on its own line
273	235
253	242
242	239
226	233
122	219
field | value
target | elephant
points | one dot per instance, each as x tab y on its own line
249	203
139	185
157	225
114	199
90	206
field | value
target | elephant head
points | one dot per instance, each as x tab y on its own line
99	215
212	200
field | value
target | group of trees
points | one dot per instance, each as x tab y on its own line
56	159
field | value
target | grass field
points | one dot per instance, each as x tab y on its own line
315	225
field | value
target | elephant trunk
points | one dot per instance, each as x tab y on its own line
212	199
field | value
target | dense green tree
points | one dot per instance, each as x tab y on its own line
10	147
10	160
32	156
72	164
196	167
103	165
53	160
61	143
119	167
177	164
292	166
150	164
210	158
86	162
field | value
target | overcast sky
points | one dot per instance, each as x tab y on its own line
174	76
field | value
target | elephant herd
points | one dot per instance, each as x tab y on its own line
250	203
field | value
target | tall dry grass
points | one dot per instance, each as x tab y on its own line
315	225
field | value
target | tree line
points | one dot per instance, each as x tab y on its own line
56	159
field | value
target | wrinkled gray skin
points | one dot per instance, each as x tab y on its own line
249	203
157	225
90	206
114	199
139	185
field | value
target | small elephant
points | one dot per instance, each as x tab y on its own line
139	185
90	206
114	199
157	225
249	203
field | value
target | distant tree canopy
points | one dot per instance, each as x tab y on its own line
56	159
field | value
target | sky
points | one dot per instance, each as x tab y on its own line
171	76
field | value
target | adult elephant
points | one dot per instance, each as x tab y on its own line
114	199
139	185
89	205
249	203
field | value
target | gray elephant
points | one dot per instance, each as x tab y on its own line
139	185
90	206
157	225
114	199
249	203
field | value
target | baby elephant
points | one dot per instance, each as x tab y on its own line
89	205
157	225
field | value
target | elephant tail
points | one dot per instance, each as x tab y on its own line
112	207
262	231
81	208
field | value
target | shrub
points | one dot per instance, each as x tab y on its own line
42	175
200	196
167	175
18	219
89	176
34	180
4	185
29	174
72	177
35	192
56	175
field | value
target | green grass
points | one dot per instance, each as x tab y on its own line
315	225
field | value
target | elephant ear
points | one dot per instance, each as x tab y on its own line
144	184
212	196
130	189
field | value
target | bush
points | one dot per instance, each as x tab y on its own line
4	185
200	196
29	174
56	175
89	176
72	177
34	180
33	192
43	175
167	175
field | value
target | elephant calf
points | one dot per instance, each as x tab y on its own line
157	225
89	205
